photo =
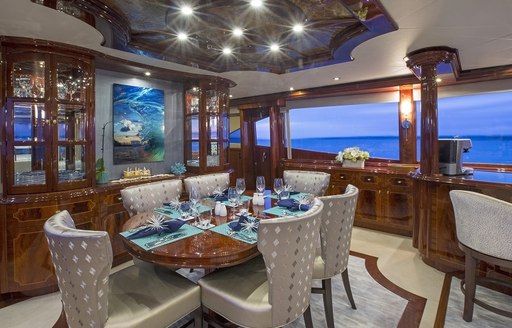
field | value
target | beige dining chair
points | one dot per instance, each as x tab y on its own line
136	296
207	184
275	289
148	196
335	236
483	225
312	182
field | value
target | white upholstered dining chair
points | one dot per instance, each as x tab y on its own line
275	289
136	296
148	196
335	236
312	182
484	226
206	184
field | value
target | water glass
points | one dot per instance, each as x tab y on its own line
285	194
278	186
193	196
260	184
205	219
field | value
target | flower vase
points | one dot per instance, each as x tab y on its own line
102	177
359	164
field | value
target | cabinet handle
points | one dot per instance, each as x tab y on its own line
342	176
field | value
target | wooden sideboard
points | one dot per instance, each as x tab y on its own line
25	262
385	201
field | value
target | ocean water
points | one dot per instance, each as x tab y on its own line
486	149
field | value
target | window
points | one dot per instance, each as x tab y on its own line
372	127
234	137
485	119
263	132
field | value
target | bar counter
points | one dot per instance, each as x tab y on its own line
434	231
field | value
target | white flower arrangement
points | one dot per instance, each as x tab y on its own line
352	154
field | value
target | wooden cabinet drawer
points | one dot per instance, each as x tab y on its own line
399	182
368	179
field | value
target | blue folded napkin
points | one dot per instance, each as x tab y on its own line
185	207
293	205
165	226
221	196
244	223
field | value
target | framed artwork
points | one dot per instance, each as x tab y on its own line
138	124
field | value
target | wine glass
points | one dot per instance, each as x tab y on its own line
240	186
260	184
193	196
233	196
278	186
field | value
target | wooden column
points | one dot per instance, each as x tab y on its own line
424	63
276	140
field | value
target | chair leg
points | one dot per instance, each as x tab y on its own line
346	284
198	317
470	282
308	320
327	295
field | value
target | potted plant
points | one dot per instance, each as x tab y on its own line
101	173
353	157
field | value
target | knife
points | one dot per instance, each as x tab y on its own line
163	240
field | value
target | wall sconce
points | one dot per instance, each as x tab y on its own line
405	110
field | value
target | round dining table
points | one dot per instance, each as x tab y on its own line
208	249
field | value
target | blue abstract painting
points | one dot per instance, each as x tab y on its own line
139	124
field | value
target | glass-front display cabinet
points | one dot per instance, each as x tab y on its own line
206	127
47	118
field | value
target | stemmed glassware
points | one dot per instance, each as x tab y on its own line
193	197
240	186
278	187
233	196
260	184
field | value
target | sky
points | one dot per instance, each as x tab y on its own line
481	114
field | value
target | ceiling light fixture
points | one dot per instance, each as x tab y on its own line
182	36
297	28
186	10
274	47
337	78
227	51
291	89
147	73
237	31
256	3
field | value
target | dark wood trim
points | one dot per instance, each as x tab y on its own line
411	317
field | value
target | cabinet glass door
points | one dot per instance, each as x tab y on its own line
28	79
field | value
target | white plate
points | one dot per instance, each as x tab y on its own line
186	219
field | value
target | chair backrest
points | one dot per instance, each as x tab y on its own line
206	184
288	248
148	196
483	223
312	182
336	230
82	261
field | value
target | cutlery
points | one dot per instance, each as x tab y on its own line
163	240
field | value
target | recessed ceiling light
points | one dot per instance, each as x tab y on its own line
186	10
182	36
237	31
230	96
147	73
226	51
256	3
298	28
337	78
291	89
274	47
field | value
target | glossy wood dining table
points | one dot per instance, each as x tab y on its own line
208	249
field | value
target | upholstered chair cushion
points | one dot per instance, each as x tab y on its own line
307	181
137	296
148	196
336	233
275	289
483	223
206	184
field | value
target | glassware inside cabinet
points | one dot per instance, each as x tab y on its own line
71	162
71	82
29	165
192	101
28	79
